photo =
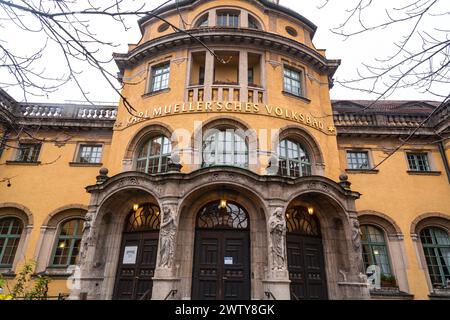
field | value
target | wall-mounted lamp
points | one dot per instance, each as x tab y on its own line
223	204
311	210
135	207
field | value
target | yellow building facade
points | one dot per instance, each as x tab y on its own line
226	172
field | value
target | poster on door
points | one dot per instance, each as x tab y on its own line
130	255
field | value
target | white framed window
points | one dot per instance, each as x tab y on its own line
159	77
225	147
358	160
228	19
154	155
294	160
90	153
418	161
293	82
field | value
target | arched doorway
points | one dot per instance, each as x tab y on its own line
305	255
137	260
222	253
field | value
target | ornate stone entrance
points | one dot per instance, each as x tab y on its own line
222	253
265	199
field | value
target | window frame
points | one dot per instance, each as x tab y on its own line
92	145
19	154
147	144
357	151
228	13
416	153
7	237
202	21
435	247
300	80
72	238
152	76
372	244
234	152
253	20
300	147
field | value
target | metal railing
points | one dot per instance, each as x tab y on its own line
269	295
171	293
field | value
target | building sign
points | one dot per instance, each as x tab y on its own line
230	107
130	255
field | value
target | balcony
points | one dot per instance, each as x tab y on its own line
230	76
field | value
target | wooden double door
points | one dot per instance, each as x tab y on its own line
306	267
221	265
136	265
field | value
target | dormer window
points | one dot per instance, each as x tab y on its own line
228	19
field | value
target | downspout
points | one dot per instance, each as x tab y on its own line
444	159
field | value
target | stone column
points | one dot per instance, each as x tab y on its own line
209	76
243	75
277	275
243	19
165	279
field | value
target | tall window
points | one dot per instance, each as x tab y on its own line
28	152
358	160
225	147
228	19
293	81
294	160
374	249
154	155
160	77
68	245
418	162
436	246
89	153
10	231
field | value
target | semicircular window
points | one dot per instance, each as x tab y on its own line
145	218
220	215
299	221
202	22
253	23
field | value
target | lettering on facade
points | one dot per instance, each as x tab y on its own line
231	107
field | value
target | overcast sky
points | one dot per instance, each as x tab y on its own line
353	52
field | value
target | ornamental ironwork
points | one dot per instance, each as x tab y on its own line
145	218
215	216
298	220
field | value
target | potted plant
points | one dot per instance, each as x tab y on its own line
388	280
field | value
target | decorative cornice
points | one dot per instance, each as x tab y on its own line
219	35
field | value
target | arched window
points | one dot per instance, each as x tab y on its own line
10	232
154	155
436	246
294	160
253	23
375	250
202	22
225	147
218	215
68	243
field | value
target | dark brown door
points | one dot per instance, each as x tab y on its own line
221	265
136	265
306	267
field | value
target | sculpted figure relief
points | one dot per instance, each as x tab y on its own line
277	228
356	235
167	234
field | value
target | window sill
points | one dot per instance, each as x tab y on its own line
82	164
23	163
56	272
7	273
155	93
365	171
440	294
387	293
424	173
296	96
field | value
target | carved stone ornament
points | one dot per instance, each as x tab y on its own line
277	229
167	235
356	235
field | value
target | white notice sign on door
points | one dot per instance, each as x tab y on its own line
228	260
130	255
